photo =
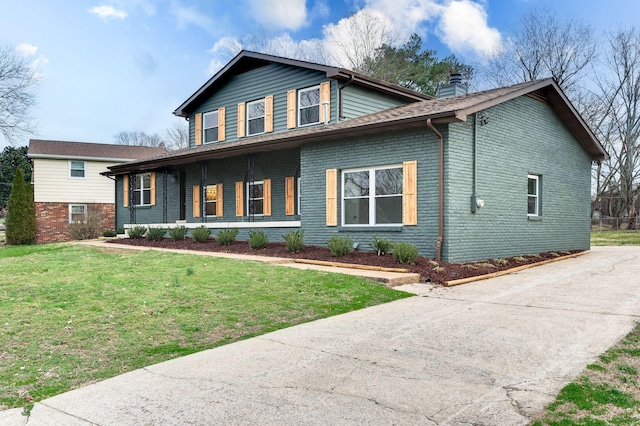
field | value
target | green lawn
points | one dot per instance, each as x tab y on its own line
615	238
72	315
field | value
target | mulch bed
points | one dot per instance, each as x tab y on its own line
429	270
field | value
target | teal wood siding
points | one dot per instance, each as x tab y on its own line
522	137
274	79
358	101
386	148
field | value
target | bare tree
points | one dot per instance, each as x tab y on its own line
617	122
138	138
18	79
542	46
177	135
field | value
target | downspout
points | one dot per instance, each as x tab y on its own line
474	196
348	82
440	238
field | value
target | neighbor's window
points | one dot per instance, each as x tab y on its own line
210	127
372	196
255	198
309	106
533	195
77	213
211	199
142	190
76	169
255	117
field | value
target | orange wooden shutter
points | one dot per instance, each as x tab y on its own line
196	201
198	129
241	113
410	193
125	191
221	127
266	207
239	198
289	196
219	209
268	114
332	197
325	97
291	109
153	189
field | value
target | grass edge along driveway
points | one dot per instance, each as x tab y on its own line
73	315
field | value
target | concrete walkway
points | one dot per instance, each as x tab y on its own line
487	353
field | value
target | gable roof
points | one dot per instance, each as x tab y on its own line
247	60
444	110
90	151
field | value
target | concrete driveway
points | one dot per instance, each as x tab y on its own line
487	353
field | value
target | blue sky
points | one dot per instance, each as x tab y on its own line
113	65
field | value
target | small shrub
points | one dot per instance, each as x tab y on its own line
226	237
340	246
382	246
258	239
120	230
294	241
405	253
178	233
87	228
109	233
200	234
155	234
137	232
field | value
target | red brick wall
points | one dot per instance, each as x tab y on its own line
52	220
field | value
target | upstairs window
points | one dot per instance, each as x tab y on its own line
372	196
309	106
77	169
210	127
255	117
142	190
533	195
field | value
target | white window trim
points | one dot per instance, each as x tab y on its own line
537	195
84	169
142	188
204	129
206	201
264	116
71	206
372	196
257	182
300	105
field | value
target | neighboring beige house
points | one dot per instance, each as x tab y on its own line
68	185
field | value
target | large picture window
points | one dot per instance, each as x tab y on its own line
210	127
77	169
142	190
309	106
372	196
255	198
255	117
533	195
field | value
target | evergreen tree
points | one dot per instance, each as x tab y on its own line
21	216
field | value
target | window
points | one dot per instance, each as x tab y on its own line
255	198
142	190
372	196
255	117
299	198
210	127
211	200
309	106
76	169
77	213
533	195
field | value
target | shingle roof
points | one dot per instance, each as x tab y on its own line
64	149
444	110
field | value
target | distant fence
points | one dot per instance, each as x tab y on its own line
612	223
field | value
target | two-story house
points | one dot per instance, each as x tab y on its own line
67	183
281	144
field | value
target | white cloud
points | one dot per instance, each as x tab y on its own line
280	14
191	15
407	16
106	12
463	27
26	49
